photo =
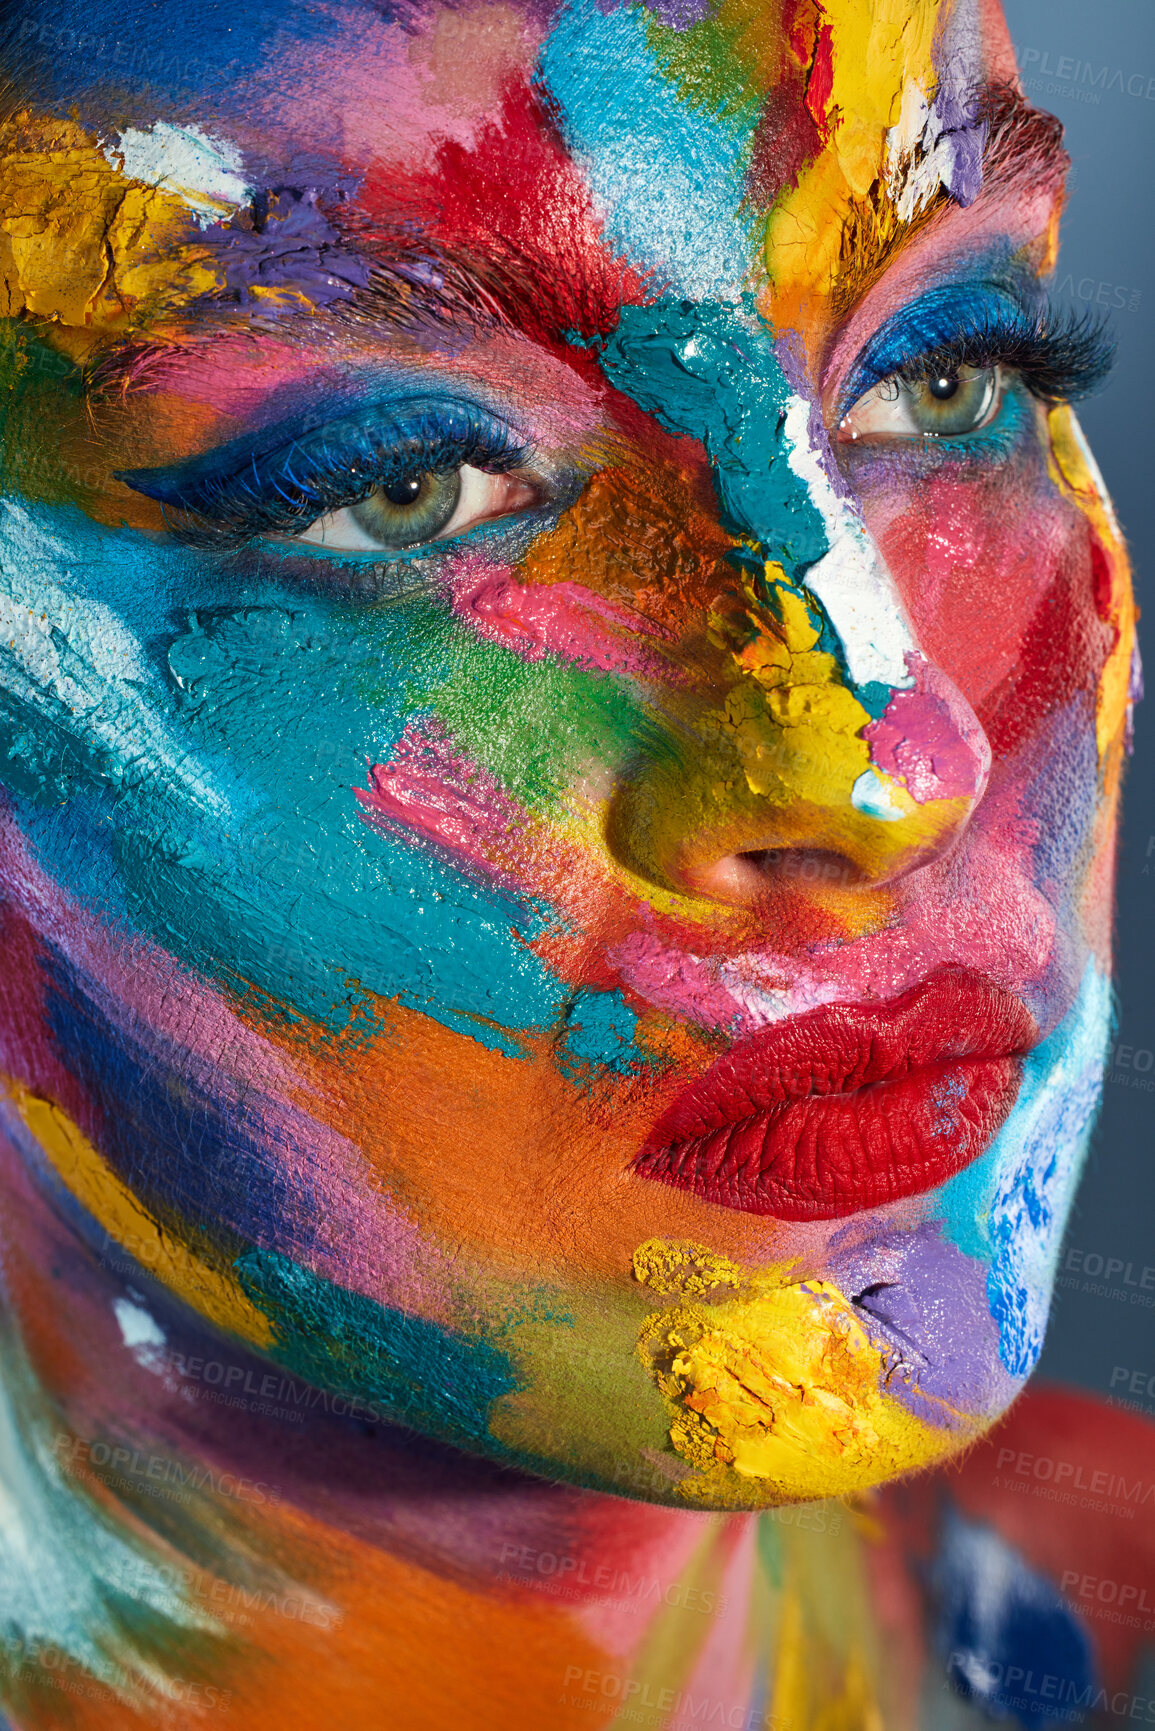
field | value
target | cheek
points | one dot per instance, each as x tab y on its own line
645	534
998	582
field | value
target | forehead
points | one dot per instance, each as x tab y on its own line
580	154
325	86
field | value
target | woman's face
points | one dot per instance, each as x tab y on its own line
564	673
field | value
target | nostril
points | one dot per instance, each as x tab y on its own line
804	866
748	876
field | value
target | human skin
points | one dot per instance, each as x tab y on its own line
369	918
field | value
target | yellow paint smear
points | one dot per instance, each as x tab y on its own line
881	53
210	1291
780	1384
82	244
1076	474
668	1265
798	729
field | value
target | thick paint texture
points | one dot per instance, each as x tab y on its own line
779	1381
389	927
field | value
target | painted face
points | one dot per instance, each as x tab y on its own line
564	668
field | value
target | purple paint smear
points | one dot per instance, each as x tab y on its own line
680	14
293	247
1134	696
925	1302
674	14
956	114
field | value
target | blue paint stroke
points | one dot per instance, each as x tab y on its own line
1010	1207
1002	1627
632	130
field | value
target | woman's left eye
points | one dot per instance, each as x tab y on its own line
425	505
944	405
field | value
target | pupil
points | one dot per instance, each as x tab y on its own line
943	389
406	491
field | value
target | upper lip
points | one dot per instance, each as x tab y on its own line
953	1016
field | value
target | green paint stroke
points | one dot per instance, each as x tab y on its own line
402	1368
535	725
37	381
711	73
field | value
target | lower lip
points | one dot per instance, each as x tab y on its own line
848	1107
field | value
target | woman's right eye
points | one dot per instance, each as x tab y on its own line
947	405
426	505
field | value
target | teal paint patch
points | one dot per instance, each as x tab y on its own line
73	1580
398	1368
211	756
1010	1208
964	1203
600	1029
631	129
874	696
712	374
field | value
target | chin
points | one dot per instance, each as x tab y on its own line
714	1384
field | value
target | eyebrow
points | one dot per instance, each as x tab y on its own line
415	289
431	286
1023	143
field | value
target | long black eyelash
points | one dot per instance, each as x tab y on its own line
283	492
1060	357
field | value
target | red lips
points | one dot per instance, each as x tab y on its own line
850	1105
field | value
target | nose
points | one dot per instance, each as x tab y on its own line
790	767
818	742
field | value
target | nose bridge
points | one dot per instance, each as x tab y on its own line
704	372
850	580
829	732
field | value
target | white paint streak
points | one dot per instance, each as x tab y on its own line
203	172
141	1333
919	155
76	664
850	580
871	795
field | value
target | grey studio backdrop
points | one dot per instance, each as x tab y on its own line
1093	65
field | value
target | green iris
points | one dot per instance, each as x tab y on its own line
411	509
952	403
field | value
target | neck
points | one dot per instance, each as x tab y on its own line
263	1530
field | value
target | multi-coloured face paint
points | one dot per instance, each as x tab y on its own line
563	684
